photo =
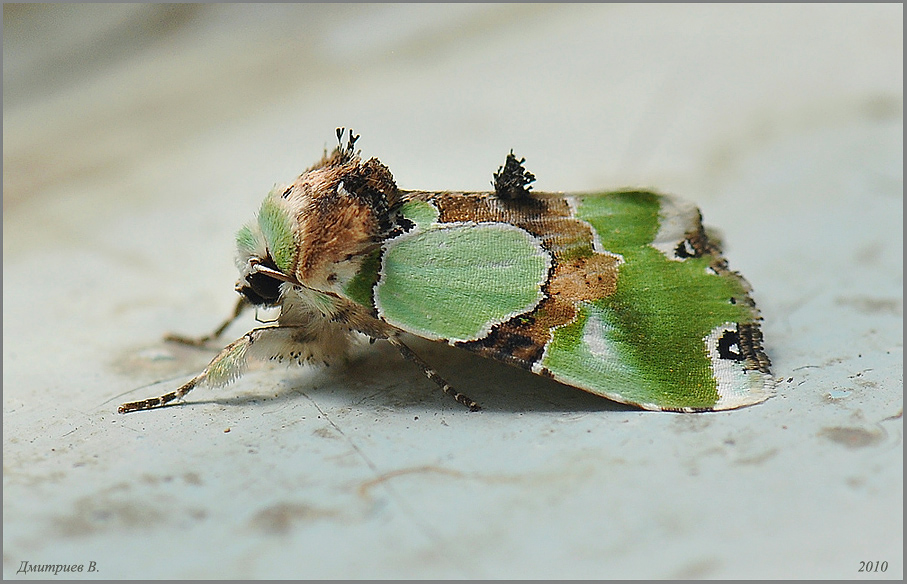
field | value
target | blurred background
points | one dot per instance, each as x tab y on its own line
138	138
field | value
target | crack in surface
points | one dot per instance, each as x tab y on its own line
426	530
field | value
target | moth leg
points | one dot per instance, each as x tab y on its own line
156	402
226	366
296	343
241	305
432	374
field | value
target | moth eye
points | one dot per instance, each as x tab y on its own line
251	296
260	288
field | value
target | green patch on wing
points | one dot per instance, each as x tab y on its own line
644	344
421	213
575	251
583	353
455	283
361	288
275	225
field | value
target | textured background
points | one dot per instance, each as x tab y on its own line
137	139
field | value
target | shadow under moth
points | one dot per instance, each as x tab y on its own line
620	294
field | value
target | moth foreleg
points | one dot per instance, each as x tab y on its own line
297	343
156	402
226	366
241	305
432	374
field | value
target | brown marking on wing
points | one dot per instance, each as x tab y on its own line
584	278
521	340
750	343
550	219
577	274
481	207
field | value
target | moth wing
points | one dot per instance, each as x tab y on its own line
619	294
678	332
456	282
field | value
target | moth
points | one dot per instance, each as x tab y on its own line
620	294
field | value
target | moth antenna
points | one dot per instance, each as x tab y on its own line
347	152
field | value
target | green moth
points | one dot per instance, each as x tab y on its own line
620	294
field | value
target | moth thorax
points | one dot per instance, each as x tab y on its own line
341	208
333	230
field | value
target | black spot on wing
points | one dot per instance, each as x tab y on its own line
729	346
685	250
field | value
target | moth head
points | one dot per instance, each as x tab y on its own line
268	242
316	231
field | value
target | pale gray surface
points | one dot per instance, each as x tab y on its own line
137	140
